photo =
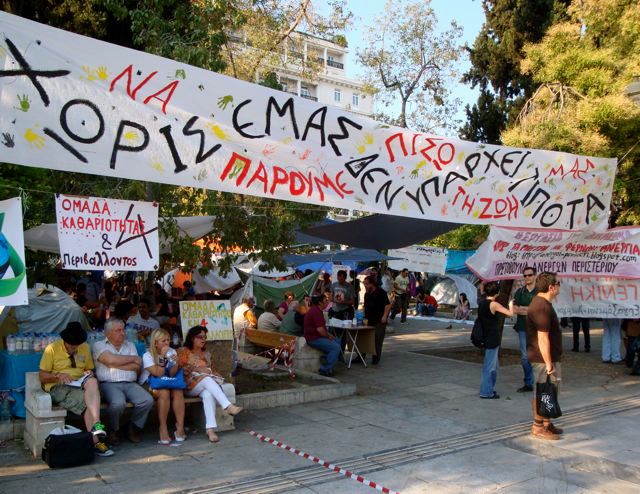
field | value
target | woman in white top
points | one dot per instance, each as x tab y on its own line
159	361
268	320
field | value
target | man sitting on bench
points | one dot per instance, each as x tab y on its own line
317	336
66	374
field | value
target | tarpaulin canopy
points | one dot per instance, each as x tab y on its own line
263	288
45	237
381	231
449	289
456	260
338	256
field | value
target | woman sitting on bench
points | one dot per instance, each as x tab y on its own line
158	361
202	381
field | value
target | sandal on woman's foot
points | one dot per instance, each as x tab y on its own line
213	437
164	442
233	410
180	439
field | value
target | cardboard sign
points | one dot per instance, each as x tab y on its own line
13	274
96	233
613	253
420	258
68	102
215	315
598	297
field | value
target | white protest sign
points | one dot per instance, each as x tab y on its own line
97	233
13	274
73	103
215	315
598	297
338	267
420	258
504	255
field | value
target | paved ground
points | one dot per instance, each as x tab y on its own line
416	425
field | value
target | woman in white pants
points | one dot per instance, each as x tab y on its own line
202	380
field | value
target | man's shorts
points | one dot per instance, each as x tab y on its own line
69	398
540	373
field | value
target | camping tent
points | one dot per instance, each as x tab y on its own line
447	291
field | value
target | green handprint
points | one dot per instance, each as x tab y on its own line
181	74
223	101
25	104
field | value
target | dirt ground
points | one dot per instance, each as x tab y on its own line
248	382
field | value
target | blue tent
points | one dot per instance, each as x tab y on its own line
338	257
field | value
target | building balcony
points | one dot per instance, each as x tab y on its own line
337	65
308	96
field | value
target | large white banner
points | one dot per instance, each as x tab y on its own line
13	275
215	315
73	103
420	258
504	255
598	297
97	233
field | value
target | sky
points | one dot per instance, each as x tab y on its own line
467	13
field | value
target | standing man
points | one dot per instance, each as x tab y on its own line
317	336
376	311
521	300
343	296
544	346
117	367
576	322
401	289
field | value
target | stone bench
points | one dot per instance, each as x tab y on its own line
42	416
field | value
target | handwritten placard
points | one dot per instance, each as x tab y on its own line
97	233
601	297
613	253
13	273
420	258
215	315
73	103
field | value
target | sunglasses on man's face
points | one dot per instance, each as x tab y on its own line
201	337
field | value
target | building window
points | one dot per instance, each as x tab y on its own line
304	91
285	87
355	99
337	95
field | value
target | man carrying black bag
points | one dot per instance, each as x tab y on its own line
544	347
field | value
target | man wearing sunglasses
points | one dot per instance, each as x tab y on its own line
521	300
66	373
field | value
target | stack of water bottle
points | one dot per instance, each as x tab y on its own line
29	342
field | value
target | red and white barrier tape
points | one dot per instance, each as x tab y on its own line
325	464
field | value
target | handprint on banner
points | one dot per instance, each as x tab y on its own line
34	139
8	140
88	73
24	103
223	101
217	131
102	73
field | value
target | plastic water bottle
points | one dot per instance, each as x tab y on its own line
11	344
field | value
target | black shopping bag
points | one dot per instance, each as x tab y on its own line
547	400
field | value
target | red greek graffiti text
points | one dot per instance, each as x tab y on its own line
132	92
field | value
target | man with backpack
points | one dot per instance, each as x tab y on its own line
521	300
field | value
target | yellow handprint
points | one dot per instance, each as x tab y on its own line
102	73
217	131
88	73
132	135
34	140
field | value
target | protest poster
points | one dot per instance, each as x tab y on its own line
420	258
612	253
73	103
599	297
215	315
13	274
97	233
339	267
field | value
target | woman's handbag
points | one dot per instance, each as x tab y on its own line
547	400
168	382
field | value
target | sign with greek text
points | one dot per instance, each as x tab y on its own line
73	103
420	258
13	274
96	233
612	253
215	315
601	297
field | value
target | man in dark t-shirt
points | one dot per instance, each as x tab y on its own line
376	311
544	346
317	336
521	300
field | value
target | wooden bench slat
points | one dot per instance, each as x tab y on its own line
268	339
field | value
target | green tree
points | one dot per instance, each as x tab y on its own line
495	63
411	65
583	67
